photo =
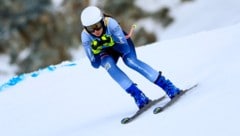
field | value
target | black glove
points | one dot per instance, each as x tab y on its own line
96	46
107	40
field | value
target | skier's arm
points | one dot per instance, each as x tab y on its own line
117	32
86	42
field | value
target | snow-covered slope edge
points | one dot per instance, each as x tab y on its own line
79	100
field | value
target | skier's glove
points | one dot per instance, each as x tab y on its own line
96	46
104	42
107	40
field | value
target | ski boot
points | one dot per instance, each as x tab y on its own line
167	86
140	99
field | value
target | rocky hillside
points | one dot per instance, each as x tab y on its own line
36	34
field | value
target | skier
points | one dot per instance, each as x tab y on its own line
104	42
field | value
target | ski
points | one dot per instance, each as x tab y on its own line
142	110
161	108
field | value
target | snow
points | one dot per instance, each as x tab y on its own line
202	15
72	98
6	69
191	17
69	98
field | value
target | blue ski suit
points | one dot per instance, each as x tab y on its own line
108	56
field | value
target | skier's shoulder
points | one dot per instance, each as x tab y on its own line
86	38
110	20
84	34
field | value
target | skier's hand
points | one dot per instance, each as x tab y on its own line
107	40
104	42
96	46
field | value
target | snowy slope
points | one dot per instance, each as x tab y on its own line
202	15
191	17
72	98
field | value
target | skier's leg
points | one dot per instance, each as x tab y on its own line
123	80
147	71
170	89
131	60
153	76
141	67
115	72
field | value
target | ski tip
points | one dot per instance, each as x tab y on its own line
125	120
194	86
157	110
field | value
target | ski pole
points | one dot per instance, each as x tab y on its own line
131	31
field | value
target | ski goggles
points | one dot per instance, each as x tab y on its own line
95	27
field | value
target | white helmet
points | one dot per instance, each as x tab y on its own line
91	15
